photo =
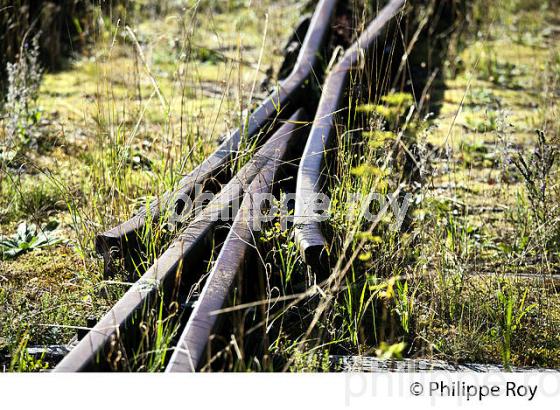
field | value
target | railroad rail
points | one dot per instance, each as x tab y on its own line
286	145
308	231
123	240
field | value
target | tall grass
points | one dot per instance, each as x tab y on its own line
157	93
152	105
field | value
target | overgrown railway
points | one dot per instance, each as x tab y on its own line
290	134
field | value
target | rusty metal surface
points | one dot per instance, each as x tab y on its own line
280	105
180	258
308	231
190	348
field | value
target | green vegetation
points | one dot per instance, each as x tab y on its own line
468	273
27	238
88	145
471	274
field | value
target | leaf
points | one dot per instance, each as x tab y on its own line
364	256
13	252
24	246
22	230
394	351
28	238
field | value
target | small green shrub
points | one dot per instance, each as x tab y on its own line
20	112
28	238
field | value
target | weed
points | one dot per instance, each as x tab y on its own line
490	67
28	238
404	305
482	97
536	173
387	351
485	123
158	329
20	108
28	197
511	312
283	252
137	119
22	361
392	111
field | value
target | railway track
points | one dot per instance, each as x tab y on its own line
291	132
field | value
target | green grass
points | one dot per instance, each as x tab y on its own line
123	127
466	278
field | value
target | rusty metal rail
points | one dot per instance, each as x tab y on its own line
281	128
124	240
309	235
230	263
180	259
